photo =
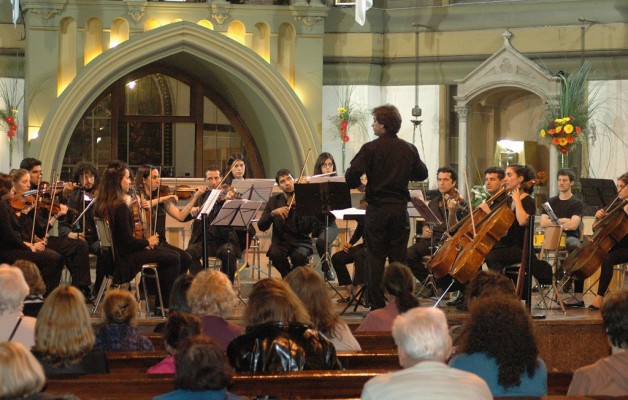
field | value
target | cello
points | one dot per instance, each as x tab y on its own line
445	256
591	253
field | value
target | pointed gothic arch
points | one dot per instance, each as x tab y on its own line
268	106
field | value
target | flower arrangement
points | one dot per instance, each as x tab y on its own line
564	133
478	195
349	115
8	115
565	123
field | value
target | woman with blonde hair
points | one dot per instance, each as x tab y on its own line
278	337
119	322
37	288
310	289
211	297
64	338
14	326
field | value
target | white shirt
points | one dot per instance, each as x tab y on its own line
427	380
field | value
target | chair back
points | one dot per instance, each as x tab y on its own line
551	241
104	235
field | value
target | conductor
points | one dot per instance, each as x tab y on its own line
389	164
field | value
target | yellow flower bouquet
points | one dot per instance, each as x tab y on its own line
564	133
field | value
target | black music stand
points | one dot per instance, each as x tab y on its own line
316	199
598	193
234	214
359	297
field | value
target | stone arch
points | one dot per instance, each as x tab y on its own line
507	74
282	128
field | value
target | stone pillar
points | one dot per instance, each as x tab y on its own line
463	114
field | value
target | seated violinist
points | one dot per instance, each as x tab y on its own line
153	196
449	207
37	222
77	195
113	204
290	232
222	242
14	246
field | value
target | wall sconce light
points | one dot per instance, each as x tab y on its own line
33	132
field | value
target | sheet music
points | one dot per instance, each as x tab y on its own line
208	206
340	214
412	210
322	179
550	213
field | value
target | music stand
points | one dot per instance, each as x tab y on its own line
254	190
315	199
356	214
598	193
233	214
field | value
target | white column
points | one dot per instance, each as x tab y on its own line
553	171
463	113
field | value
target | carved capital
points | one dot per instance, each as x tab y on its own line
136	9
308	21
45	13
220	12
462	111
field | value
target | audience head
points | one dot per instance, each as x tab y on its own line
399	282
310	289
488	283
324	161
388	116
33	278
496	322
119	307
615	316
21	375
421	334
63	332
201	365
179	327
179	294
211	293
271	300
13	290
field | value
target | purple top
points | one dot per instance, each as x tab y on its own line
165	366
220	330
379	320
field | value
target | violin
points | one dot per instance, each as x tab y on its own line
22	200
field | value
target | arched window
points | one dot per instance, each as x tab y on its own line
162	117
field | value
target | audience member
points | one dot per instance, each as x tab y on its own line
64	338
119	322
178	298
21	376
424	345
488	283
608	376
310	289
203	372
37	288
14	326
496	322
179	327
211	297
400	283
278	337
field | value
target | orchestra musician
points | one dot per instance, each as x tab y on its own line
493	177
77	195
509	249
113	204
325	164
389	163
14	246
154	197
74	251
568	209
449	207
236	170
618	254
222	242
290	236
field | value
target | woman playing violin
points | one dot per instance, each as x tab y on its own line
618	254
112	204
509	249
155	198
43	216
14	246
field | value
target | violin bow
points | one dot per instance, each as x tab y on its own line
52	202
466	183
35	212
307	156
157	205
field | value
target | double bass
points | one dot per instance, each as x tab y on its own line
583	261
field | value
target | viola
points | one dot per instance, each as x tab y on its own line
22	200
591	253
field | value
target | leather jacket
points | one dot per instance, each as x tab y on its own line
278	347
